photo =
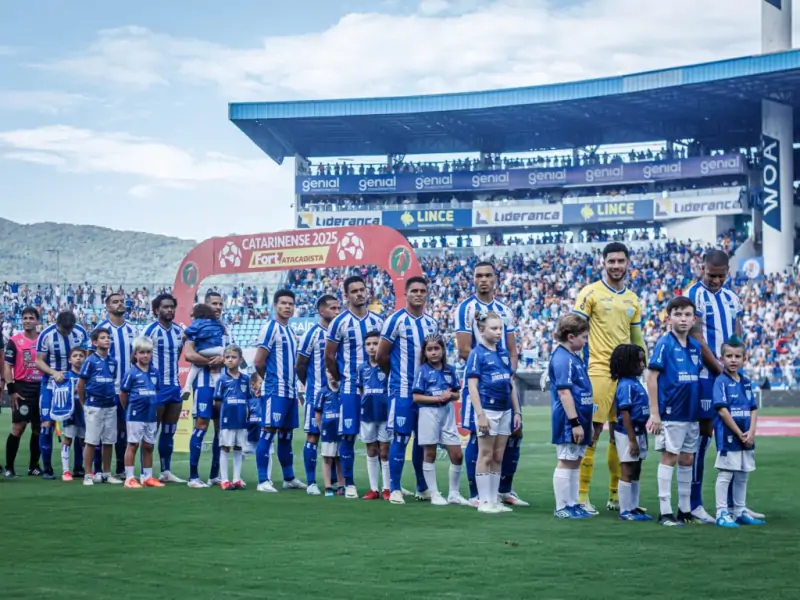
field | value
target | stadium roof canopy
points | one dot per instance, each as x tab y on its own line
718	104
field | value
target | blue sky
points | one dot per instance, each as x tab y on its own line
114	114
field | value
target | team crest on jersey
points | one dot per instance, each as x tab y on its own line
112	368
401	421
348	423
243	387
153	379
706	404
448	378
381	376
505	360
695	359
202	406
630	310
276	416
730	439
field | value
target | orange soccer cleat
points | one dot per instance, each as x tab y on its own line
372	495
132	483
152	482
225	485
66	476
386	494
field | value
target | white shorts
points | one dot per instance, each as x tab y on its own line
330	449
73	431
499	422
437	425
233	438
678	437
623	447
570	451
744	460
101	425
141	431
374	432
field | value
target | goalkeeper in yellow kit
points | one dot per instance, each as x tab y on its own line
615	317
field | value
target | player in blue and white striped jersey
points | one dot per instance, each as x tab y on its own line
52	359
167	340
399	356
310	370
275	364
345	352
468	336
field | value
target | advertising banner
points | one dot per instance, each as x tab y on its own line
699	206
320	220
453	218
518	216
771	181
603	212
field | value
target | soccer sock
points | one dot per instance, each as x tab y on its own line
310	462
385	474
471	460
147	473
46	448
120	447
614	471
262	456
739	488
98	459
35	451
429	472
347	454
684	489
238	459
417	460
223	465
286	455
697	471
562	481
78	455
625	493
574	484
373	463
635	494
397	458
665	488
509	465
129	473
195	449
166	445
721	488
12	446
214	473
483	481
64	458
730	498
587	470
495	483
455	480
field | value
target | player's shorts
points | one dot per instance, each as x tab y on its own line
437	425
330	439
169	394
45	402
101	425
233	438
707	410
27	411
310	419
141	431
467	412
74	432
281	413
603	390
253	432
623	447
499	422
371	432
678	436
570	451
743	460
349	414
402	416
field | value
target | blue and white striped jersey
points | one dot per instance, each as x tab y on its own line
57	347
465	321
717	312
280	342
312	346
349	332
406	333
167	346
121	346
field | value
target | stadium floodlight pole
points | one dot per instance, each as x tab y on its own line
57	252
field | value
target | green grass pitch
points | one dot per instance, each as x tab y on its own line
61	540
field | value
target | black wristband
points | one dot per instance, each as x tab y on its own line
10	387
575	422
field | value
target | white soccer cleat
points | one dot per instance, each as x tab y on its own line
405	492
114	480
196	484
438	500
214	481
396	497
488	508
266	487
755	515
589	508
97	478
168	477
351	492
612	505
512	499
313	490
458	500
88	480
501	508
423	496
294	484
701	515
474	502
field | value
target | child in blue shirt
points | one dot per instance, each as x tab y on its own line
327	412
206	332
233	390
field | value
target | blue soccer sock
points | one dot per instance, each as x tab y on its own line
214	473
347	454
166	445
471	459
97	462
77	459
195	449
397	458
310	462
509	466
121	446
262	455
46	448
731	505
697	471
417	459
286	454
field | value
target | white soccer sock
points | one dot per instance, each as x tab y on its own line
429	471
574	486
635	494
223	465
483	481
665	488
739	492
64	458
724	479
625	493
495	479
684	489
562	482
455	480
129	473
373	463
147	473
270	461
238	459
385	474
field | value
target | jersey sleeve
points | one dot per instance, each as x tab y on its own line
419	381
10	354
335	331
43	345
86	369
306	342
218	389
267	340
658	358
191	331
562	371
624	396
389	332
691	293
719	396
456	383
508	321
636	320
127	382
584	302
473	370
463	323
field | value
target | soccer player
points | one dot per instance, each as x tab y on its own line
399	355
633	410
615	315
275	363
310	370
23	382
139	398
98	397
719	313
74	427
467	338
674	390
572	409
344	354
52	359
167	338
374	431
233	391
735	430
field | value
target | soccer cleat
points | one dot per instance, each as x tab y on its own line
329	493
350	492
613	505
294	484
340	490
564	513
501	508
214	481
34	472
396	497
627	515
438	500
458	500
726	520
372	495
78	473
685	517
512	499
88	480
9	474
746	519
312	489
423	496
168	477
196	484
588	507
48	475
66	476
226	485
641	515
488	508
132	484
97	478
700	515
754	514
405	492
578	512
238	485
113	480
385	494
474	502
266	487
669	520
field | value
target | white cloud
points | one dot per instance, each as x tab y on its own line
7	51
49	102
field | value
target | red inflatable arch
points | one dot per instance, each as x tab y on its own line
299	249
